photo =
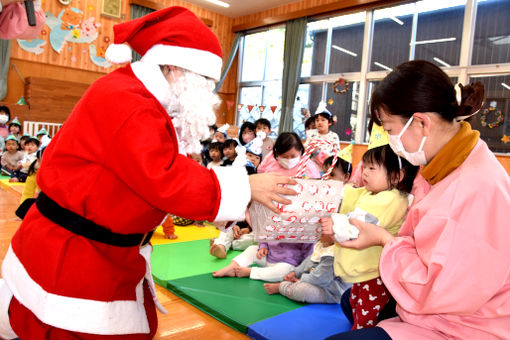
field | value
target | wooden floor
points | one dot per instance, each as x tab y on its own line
183	321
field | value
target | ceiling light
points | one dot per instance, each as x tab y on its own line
344	50
383	66
442	62
505	86
397	20
433	41
219	3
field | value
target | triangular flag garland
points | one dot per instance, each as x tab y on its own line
273	108
239	107
261	108
250	107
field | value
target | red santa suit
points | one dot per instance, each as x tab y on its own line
116	163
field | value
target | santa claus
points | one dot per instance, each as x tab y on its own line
79	265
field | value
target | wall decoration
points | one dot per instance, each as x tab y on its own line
70	26
111	8
32	46
97	56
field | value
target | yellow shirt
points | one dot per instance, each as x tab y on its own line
30	188
389	207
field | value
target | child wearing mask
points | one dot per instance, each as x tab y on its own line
246	133
286	154
264	125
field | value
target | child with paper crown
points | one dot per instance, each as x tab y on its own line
43	137
343	166
323	120
31	146
383	200
15	128
11	157
254	149
220	134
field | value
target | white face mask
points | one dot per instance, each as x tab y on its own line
415	158
289	163
3	119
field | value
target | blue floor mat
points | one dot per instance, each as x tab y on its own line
315	321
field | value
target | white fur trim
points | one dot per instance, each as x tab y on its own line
199	61
235	193
118	54
153	79
6	331
75	314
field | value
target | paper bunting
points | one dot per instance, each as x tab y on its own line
250	107
273	108
230	103
239	107
262	108
21	101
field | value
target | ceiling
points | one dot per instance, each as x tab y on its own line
241	7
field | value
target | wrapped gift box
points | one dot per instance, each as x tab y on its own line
298	222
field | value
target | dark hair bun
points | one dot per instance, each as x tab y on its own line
472	99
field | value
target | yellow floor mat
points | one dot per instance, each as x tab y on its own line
184	234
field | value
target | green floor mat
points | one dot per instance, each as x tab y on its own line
237	302
177	260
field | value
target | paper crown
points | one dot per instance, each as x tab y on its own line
171	36
223	129
15	121
42	132
321	108
346	153
11	137
27	135
378	137
255	145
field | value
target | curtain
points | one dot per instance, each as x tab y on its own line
295	36
5	51
138	12
231	56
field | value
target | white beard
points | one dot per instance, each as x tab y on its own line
191	102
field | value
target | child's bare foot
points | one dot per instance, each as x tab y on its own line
211	242
243	271
218	251
13	180
272	288
170	237
227	271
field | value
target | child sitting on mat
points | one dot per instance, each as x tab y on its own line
314	280
11	157
383	200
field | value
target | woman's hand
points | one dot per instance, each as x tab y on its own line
327	225
369	235
261	253
265	189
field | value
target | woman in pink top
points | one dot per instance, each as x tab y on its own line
284	158
449	267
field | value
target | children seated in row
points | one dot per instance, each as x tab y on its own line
383	200
314	280
264	125
11	158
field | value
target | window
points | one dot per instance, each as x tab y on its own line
431	30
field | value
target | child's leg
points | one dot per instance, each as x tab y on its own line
245	259
273	272
243	242
303	292
367	300
225	239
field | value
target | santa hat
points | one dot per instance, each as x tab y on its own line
255	145
171	36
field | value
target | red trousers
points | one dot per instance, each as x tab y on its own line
368	298
26	325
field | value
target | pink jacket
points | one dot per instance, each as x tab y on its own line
449	270
14	24
270	164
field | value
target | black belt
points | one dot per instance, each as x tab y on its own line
86	228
